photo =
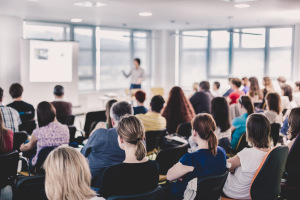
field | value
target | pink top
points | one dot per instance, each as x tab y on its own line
54	134
8	140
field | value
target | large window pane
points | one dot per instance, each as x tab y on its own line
281	37
46	32
194	39
253	41
114	40
280	63
220	39
219	62
140	40
84	37
85	63
86	84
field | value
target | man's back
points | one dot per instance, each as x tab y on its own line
201	102
11	118
26	110
63	108
152	121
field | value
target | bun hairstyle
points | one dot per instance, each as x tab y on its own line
205	126
132	131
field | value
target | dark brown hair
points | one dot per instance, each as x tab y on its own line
258	131
237	82
274	102
287	91
297	84
204	85
107	112
140	96
132	131
294	122
246	102
45	113
246	80
220	113
205	126
16	90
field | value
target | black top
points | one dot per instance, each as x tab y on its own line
25	110
139	110
201	102
129	179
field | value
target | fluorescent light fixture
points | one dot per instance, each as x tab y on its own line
32	0
76	20
89	4
242	5
239	1
145	14
99	4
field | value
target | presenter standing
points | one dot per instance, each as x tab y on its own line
137	75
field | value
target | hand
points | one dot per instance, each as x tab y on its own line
232	171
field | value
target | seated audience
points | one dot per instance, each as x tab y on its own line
26	110
209	160
136	174
228	92
287	98
177	110
294	126
153	120
10	116
140	97
102	149
62	107
68	176
216	89
6	138
236	93
285	127
273	112
239	124
245	164
246	84
195	89
201	99
268	87
296	93
281	80
254	92
50	132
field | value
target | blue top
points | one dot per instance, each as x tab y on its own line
102	150
246	89
204	163
228	92
240	127
285	126
139	110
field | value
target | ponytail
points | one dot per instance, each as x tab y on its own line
212	143
140	151
246	102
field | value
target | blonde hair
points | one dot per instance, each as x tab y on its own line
68	175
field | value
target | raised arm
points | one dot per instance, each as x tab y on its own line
127	75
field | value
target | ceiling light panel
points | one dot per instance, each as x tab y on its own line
89	4
239	1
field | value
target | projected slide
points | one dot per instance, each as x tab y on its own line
50	61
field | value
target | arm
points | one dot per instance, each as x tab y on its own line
127	75
232	128
30	145
235	163
178	170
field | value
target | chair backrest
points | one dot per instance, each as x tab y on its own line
66	119
8	168
93	117
28	126
42	156
157	91
168	157
30	187
153	139
225	144
275	129
184	129
293	161
19	138
210	187
242	143
156	194
72	131
266	181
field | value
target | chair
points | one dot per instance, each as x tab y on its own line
156	194
28	126
8	168
19	138
210	187
72	131
168	157
153	139
31	187
66	119
242	143
184	129
225	144
42	156
93	117
157	91
275	129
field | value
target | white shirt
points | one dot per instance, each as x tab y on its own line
238	185
273	117
217	93
136	75
221	135
296	97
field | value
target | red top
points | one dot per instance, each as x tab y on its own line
234	96
8	140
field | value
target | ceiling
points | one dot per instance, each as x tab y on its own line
187	14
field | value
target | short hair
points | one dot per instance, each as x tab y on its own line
237	82
140	96
217	84
204	85
16	90
1	93
157	103
297	84
246	80
287	91
58	90
258	130
120	109
138	60
274	102
281	79
294	122
107	112
45	113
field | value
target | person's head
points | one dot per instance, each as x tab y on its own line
216	86
247	104
119	110
157	103
67	175
230	81
294	123
204	86
281	80
236	83
258	130
1	94
254	86
297	86
58	91
195	87
273	101
46	113
3	131
220	113
203	128
140	96
132	135
107	112
286	90
137	62
16	90
245	81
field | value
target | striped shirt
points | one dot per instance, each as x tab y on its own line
152	121
11	118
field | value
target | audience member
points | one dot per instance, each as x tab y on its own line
68	176
136	174
268	87
281	80
140	97
207	161
245	164
236	93
6	138
296	93
102	149
10	116
294	126
228	92
26	110
239	124
254	92
274	111
50	132
62	107
285	127
201	100
153	120
216	89
287	98
177	110
245	83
